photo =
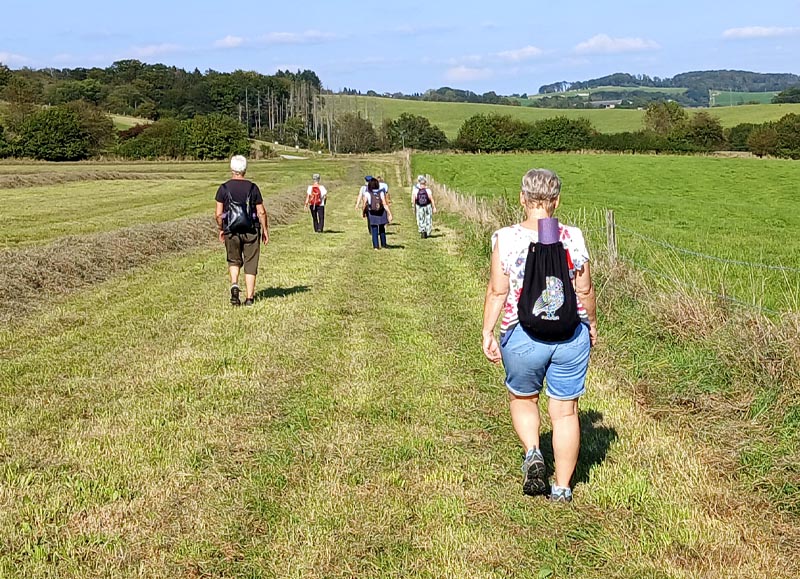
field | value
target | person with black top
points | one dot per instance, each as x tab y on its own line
377	213
243	223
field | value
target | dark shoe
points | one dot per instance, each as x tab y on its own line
235	301
249	301
535	474
422	234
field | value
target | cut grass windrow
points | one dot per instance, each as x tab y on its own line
346	425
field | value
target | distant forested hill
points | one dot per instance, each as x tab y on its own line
697	84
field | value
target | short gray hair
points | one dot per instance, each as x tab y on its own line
239	164
315	177
541	187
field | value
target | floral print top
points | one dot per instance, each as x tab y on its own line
513	243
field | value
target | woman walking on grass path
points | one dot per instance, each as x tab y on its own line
530	361
316	195
243	223
377	213
424	206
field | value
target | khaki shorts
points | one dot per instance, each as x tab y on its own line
243	249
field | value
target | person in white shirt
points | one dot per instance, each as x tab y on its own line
384	186
315	201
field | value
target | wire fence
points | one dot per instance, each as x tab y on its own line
679	255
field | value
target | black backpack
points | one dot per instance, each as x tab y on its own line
548	306
422	197
375	202
240	215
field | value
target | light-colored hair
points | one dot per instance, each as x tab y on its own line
541	188
315	177
238	164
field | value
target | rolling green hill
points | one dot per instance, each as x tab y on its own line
450	116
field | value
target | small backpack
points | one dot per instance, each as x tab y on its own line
548	306
423	199
375	202
240	217
316	195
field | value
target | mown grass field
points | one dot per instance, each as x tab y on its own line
733	98
345	426
574	93
737	209
450	116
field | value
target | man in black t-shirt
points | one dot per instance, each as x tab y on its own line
242	246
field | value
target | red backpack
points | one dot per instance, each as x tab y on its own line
316	195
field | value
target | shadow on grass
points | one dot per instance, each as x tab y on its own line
332	232
387	246
281	292
596	440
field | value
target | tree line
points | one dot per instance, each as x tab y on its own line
287	106
61	115
668	128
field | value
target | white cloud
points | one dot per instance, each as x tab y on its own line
13	59
307	37
151	50
520	54
604	44
229	42
759	32
467	74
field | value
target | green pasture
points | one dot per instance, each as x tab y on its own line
450	116
724	98
620	89
735	209
122	122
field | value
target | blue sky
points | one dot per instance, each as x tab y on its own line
509	47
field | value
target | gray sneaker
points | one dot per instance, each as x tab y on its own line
533	468
559	495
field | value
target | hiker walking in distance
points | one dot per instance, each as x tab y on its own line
243	223
541	284
315	201
377	213
424	206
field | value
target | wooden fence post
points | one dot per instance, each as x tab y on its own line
611	236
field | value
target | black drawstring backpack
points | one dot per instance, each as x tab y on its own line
241	216
548	306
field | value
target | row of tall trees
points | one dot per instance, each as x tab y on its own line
286	106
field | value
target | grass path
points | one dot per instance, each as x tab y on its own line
345	426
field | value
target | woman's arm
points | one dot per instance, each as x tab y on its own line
433	201
496	294
585	290
386	205
359	204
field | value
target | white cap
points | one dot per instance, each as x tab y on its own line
239	164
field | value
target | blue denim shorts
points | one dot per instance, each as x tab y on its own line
528	362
